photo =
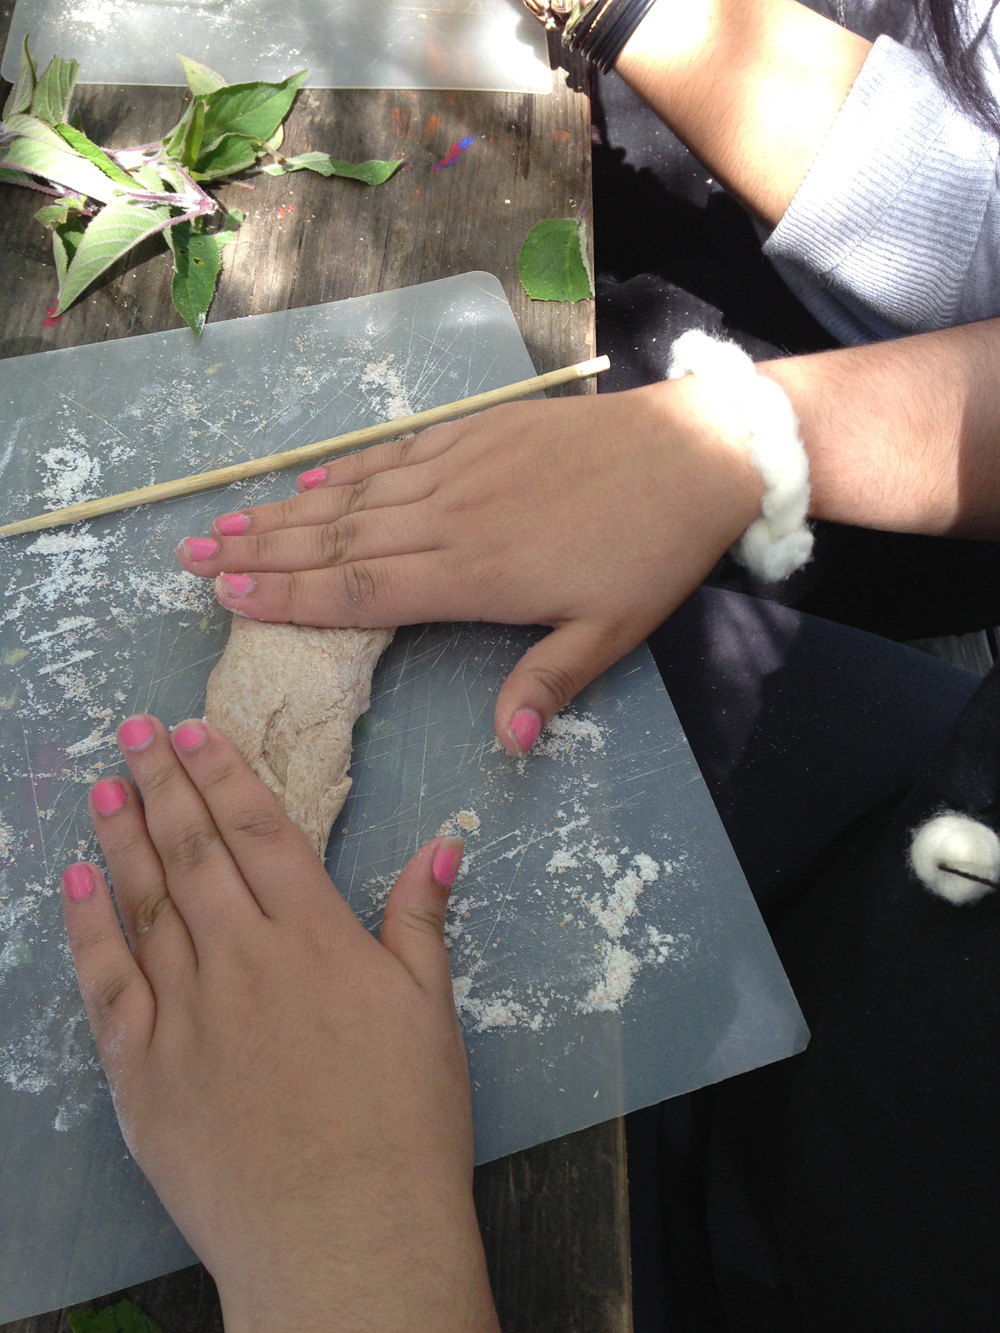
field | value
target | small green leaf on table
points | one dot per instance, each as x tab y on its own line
120	226
66	238
252	109
197	260
373	172
54	215
121	1318
225	157
200	79
53	160
24	88
53	91
79	141
552	263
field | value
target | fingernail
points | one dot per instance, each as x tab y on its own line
314	477
446	861
232	525
78	881
189	736
135	734
199	548
524	728
234	585
108	797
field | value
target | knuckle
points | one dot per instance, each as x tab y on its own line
258	825
354	496
555	681
105	993
399	451
148	910
331	543
361	584
191	847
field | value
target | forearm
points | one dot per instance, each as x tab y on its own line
903	435
751	86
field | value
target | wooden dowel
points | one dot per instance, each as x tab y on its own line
306	453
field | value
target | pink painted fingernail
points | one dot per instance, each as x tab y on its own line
135	734
78	881
314	477
524	728
108	797
445	863
189	737
199	548
232	525
234	585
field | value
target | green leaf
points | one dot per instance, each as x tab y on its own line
233	153
121	1318
54	215
373	172
200	79
14	177
66	238
24	88
190	145
51	99
79	141
112	233
552	264
173	140
41	152
197	260
252	109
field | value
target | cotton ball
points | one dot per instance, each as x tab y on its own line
962	844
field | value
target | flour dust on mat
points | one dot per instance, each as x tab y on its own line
580	923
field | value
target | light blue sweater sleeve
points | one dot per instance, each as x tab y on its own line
896	227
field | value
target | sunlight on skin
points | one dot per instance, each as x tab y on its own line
751	86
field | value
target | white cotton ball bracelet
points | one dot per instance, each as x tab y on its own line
779	542
956	857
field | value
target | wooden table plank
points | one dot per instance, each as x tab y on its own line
554	1218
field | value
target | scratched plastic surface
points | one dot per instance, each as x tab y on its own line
475	44
605	949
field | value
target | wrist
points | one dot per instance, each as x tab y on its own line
691	421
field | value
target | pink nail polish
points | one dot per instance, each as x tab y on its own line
78	881
444	865
189	738
135	734
232	525
314	477
234	585
108	797
200	548
524	728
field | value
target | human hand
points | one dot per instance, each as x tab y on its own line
296	1091
594	515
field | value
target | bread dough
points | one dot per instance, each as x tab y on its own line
288	698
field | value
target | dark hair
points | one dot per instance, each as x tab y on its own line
948	27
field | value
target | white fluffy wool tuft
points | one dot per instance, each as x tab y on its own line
961	844
779	542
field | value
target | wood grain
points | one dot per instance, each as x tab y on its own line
554	1219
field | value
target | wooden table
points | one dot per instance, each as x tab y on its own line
555	1218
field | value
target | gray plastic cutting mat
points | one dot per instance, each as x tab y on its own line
605	948
475	44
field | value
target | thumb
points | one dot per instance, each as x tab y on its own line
413	921
549	675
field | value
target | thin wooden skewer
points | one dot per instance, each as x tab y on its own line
223	476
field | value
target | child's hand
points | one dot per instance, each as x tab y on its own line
595	515
296	1091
